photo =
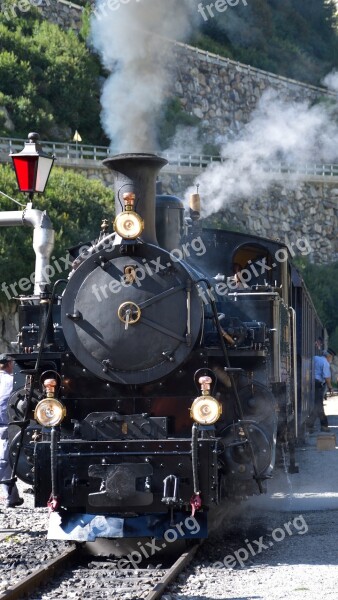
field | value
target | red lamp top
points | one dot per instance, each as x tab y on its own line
32	166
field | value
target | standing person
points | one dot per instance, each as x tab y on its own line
322	373
319	346
12	497
329	354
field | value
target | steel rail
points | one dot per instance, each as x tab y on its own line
172	573
29	584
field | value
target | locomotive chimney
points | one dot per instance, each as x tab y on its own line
136	174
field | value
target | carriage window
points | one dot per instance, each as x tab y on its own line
254	263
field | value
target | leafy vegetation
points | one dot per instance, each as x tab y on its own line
49	81
322	283
172	116
76	207
293	38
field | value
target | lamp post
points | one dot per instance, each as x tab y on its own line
32	166
77	138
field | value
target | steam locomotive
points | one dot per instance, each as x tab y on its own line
157	382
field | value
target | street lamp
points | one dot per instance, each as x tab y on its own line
77	138
32	166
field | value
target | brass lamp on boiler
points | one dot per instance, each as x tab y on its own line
128	224
49	412
205	410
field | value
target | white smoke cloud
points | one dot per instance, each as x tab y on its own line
185	141
279	131
133	43
132	39
331	81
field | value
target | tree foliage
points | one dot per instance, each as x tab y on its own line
171	117
49	80
76	207
293	38
322	283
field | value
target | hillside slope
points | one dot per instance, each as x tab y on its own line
293	38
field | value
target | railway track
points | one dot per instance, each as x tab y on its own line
75	575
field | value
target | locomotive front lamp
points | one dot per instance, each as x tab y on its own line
205	409
128	224
32	166
49	412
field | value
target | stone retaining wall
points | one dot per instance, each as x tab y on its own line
219	92
61	12
65	14
308	210
222	94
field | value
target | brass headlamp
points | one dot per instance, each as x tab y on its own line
205	409
128	224
49	412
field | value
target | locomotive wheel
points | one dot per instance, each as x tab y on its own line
238	458
17	404
258	402
26	456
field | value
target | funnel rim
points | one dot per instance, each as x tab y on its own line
155	158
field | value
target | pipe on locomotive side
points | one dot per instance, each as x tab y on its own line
43	239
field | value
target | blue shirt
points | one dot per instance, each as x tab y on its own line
321	368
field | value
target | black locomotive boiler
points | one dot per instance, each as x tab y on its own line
157	382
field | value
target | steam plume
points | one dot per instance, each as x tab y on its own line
331	81
279	131
132	39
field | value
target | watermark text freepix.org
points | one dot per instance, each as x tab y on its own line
148	549
101	10
254	269
24	284
150	268
196	246
297	526
23	6
208	11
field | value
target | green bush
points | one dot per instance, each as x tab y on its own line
322	283
49	80
172	116
293	38
76	207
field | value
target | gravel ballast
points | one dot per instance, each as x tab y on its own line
282	545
